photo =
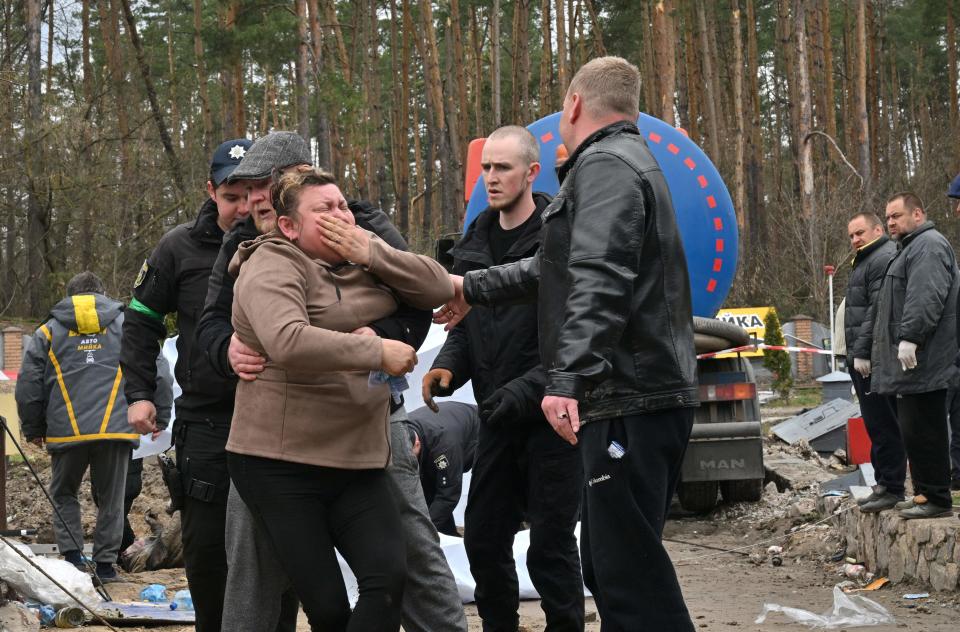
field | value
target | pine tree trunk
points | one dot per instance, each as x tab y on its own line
807	202
692	72
202	77
739	198
563	78
476	45
324	150
829	96
85	55
495	64
755	218
665	50
599	50
546	63
37	213
863	121
172	80
710	97
301	65
649	85
952	80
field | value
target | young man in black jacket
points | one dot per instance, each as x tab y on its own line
174	280
431	602
874	250
523	469
616	340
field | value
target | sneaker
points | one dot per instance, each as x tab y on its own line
882	502
926	510
878	492
106	573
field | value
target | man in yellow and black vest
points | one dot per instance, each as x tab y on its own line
70	397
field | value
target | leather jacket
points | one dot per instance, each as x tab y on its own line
614	309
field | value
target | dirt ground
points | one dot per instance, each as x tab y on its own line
723	590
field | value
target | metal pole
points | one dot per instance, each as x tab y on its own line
833	357
3	474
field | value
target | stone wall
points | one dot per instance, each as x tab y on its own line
924	551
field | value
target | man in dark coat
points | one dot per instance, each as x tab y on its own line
523	469
874	250
616	340
914	347
953	393
445	444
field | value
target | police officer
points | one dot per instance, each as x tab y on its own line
445	445
173	280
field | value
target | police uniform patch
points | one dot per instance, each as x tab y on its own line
142	274
441	462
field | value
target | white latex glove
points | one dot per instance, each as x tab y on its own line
907	354
861	366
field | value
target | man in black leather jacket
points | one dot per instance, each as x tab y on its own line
523	470
874	250
616	340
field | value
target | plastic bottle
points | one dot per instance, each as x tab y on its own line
69	617
182	601
154	593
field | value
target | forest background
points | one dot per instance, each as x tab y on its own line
811	109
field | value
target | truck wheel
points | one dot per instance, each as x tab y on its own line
737	336
698	497
750	490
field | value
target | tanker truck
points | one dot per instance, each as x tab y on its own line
725	455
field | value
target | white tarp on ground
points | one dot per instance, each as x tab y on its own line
31	583
457	559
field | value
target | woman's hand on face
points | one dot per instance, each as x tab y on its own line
348	241
398	357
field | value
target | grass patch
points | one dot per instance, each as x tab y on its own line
802	398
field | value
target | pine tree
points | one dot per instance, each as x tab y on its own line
777	362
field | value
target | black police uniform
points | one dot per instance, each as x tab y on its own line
448	445
174	280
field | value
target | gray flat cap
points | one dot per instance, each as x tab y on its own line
276	150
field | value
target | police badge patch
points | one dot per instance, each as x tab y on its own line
142	274
441	462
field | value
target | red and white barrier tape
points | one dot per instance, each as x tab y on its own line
765	346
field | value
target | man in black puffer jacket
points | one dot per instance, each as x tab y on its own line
523	470
874	250
914	347
616	339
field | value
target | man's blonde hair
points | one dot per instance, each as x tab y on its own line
529	147
608	85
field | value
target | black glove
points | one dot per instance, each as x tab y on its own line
503	406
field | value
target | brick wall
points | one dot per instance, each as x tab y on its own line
803	331
12	348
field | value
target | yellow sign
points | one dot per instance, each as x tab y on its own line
8	408
750	318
